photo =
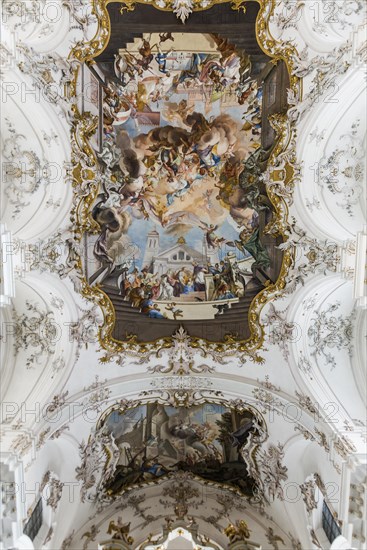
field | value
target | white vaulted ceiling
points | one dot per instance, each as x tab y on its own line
310	385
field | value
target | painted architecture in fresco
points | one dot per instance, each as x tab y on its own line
183	211
205	440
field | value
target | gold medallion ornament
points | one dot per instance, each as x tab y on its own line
184	160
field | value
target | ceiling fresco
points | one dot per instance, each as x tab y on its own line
182	229
155	440
182	213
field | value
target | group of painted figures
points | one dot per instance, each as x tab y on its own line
143	288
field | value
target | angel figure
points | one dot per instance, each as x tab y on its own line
213	241
177	112
145	51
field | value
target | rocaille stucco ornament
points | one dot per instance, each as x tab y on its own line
281	174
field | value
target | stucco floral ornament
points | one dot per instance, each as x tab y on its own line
329	331
182	9
23	170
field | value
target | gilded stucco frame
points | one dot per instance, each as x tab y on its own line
282	172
